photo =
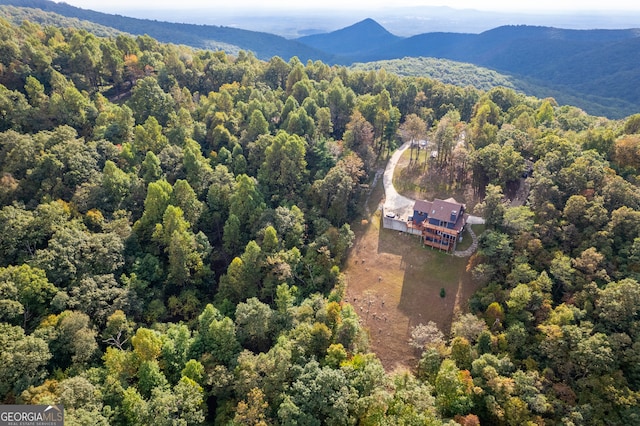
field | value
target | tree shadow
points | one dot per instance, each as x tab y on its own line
435	286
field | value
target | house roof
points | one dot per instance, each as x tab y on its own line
441	210
422	206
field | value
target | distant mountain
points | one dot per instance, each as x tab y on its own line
263	45
596	70
361	37
510	48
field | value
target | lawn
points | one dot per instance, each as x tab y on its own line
394	283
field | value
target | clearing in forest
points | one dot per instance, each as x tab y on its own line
394	284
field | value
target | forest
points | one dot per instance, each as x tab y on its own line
173	223
593	69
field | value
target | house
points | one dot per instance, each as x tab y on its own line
441	222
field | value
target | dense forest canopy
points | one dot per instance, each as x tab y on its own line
174	222
594	69
443	70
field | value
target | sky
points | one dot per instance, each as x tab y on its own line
492	5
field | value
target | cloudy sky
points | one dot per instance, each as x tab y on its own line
494	5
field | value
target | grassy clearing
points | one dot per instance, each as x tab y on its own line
394	283
478	229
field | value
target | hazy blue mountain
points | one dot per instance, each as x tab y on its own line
361	37
496	47
593	69
310	18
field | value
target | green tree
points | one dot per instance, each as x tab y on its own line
176	347
81	398
493	209
134	407
185	250
277	72
185	197
319	393
116	185
290	224
511	165
155	205
414	129
72	339
244	275
485	164
412	403
150	170
324	126
453	388
358	137
149	100
618	303
445	136
221	341
69	106
193	370
232	237
335	194
246	203
23	360
484	124
150	377
300	123
73	254
25	292
254	322
257	126
284	168
270	241
198	170
545	114
183	404
462	352
148	137
99	296
147	344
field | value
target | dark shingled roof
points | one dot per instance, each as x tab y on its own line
441	210
422	206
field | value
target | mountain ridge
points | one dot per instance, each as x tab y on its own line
264	45
569	64
362	36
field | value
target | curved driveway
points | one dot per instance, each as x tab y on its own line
402	207
395	203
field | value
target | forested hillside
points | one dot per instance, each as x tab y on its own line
173	225
594	69
263	45
443	70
